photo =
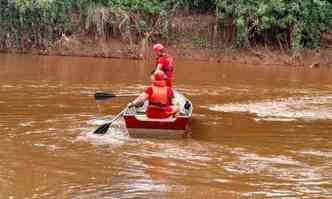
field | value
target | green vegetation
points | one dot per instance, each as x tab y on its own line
298	23
290	24
32	22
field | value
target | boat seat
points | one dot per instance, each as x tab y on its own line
145	118
142	112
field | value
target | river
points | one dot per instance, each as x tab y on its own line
257	132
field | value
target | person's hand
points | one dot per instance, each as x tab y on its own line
131	104
152	72
158	71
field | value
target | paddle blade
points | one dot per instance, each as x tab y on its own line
102	96
102	129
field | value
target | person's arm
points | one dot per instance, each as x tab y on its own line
159	67
170	94
141	99
160	63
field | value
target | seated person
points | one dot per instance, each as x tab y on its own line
160	98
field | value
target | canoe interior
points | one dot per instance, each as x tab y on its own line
184	104
139	125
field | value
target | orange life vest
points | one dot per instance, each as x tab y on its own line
159	96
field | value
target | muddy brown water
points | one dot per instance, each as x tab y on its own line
257	132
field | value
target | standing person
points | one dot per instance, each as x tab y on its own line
160	98
164	62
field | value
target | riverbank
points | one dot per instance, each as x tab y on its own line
257	33
105	32
81	46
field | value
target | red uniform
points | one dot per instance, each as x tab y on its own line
167	64
159	101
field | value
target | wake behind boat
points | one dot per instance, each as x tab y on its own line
139	125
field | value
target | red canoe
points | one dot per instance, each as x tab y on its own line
139	125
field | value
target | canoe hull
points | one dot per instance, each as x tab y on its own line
168	128
157	133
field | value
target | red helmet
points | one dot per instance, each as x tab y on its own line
157	47
159	76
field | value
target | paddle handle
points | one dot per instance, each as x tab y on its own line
118	115
102	95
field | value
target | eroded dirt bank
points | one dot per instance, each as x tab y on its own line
193	37
81	46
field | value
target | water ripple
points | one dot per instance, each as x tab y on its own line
308	108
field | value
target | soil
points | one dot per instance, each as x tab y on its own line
80	46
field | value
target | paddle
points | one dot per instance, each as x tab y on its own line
102	95
103	128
